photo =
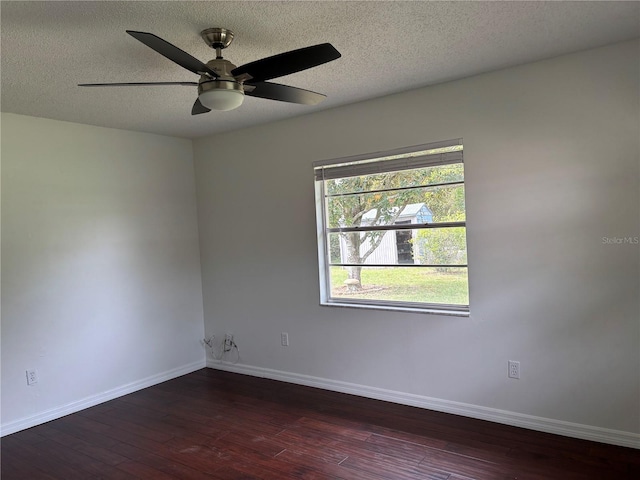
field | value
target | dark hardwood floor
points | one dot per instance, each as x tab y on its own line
217	425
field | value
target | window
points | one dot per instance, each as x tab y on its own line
392	230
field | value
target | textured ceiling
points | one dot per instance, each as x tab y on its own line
49	47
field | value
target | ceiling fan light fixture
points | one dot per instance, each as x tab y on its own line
221	95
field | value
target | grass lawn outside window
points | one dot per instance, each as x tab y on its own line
409	285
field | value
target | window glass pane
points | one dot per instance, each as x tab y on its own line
419	205
432	246
441	246
424	285
405	178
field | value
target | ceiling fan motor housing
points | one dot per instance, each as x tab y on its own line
219	84
222	67
224	81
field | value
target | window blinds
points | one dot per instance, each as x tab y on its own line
420	156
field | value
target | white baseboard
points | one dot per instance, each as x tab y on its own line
548	425
46	416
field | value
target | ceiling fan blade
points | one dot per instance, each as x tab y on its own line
284	93
198	108
173	53
287	63
135	84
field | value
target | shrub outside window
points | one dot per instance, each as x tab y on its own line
392	230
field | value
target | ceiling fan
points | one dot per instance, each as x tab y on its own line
222	85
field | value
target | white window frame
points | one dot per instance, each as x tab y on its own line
427	155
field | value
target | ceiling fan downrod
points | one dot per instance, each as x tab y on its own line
217	38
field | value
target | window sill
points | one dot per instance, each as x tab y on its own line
399	308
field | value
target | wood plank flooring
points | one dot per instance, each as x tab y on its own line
217	425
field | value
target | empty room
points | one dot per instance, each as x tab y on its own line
354	240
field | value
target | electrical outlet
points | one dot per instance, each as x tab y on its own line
32	377
514	369
228	342
284	339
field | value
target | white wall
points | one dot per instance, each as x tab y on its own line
552	166
101	285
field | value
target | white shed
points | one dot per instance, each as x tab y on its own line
396	246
